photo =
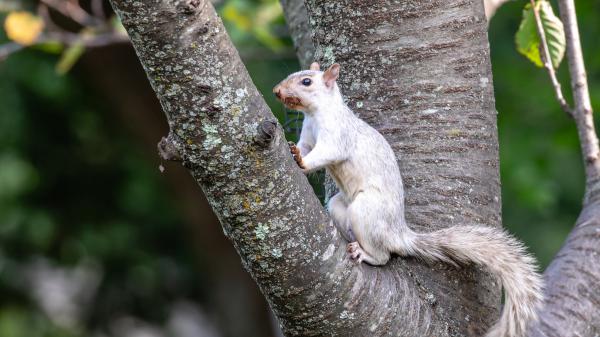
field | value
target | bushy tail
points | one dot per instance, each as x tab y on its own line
502	255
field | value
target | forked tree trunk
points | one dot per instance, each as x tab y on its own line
419	72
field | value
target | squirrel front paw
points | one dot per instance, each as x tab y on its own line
296	154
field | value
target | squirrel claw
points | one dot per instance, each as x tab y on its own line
296	154
355	252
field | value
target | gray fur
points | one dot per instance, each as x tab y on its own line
370	204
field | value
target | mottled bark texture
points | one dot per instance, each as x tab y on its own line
417	70
118	77
297	22
572	305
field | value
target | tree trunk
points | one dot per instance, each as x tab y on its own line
296	17
122	82
417	71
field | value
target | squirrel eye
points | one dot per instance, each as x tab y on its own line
306	82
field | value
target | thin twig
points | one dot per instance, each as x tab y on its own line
547	61
93	41
72	11
96	40
98	8
582	111
44	13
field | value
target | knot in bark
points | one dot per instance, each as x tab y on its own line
267	131
190	6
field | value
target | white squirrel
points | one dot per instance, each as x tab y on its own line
369	208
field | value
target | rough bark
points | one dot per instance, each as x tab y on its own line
573	278
422	77
116	74
424	81
297	22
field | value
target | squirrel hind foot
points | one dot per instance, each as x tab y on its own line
355	252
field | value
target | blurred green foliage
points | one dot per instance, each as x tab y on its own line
541	165
75	186
76	189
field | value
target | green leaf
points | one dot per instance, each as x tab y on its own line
555	33
528	40
69	58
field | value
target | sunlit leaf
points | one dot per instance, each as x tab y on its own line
23	27
265	15
268	12
264	35
528	40
234	15
69	58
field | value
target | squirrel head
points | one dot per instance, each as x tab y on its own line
308	90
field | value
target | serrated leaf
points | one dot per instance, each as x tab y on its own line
555	33
69	58
528	40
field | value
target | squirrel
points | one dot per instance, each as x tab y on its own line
369	208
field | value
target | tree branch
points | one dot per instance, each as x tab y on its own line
297	22
92	41
547	61
220	129
73	11
583	108
573	278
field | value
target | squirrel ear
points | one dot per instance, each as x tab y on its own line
331	74
315	66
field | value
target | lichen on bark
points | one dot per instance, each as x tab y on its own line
265	205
